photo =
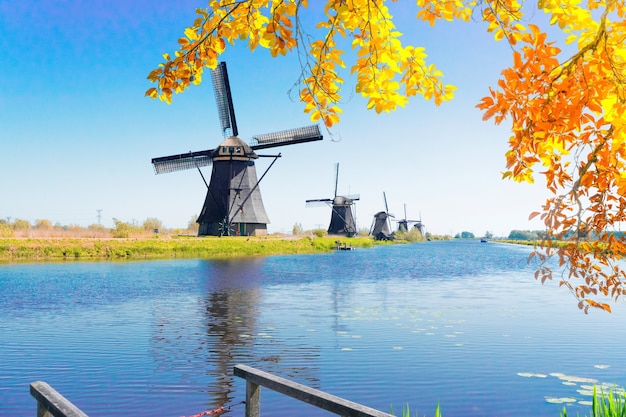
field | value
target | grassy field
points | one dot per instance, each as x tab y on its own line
50	249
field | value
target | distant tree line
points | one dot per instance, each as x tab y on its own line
44	228
526	234
539	234
464	235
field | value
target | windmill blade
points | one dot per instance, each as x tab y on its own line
336	177
224	100
353	197
386	207
183	161
286	137
319	202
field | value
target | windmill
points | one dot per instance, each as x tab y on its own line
233	203
342	219
403	225
381	225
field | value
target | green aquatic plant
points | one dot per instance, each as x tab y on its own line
611	404
406	411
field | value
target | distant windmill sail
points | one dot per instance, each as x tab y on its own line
336	177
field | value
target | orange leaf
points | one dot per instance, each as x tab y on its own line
533	215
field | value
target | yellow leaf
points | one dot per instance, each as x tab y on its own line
191	34
154	74
336	109
151	92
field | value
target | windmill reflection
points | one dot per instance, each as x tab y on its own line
199	340
231	312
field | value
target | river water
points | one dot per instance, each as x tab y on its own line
461	324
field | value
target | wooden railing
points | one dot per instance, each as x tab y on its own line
255	379
52	404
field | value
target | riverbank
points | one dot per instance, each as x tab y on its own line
51	249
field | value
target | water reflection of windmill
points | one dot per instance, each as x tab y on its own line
233	203
381	225
403	224
342	220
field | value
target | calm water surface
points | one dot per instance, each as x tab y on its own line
460	324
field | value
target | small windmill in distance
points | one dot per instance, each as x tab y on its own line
403	224
342	219
381	225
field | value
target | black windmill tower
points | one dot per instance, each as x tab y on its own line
381	225
233	204
404	224
342	220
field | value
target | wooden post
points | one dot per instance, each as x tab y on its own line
41	410
253	399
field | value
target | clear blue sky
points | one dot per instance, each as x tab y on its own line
77	134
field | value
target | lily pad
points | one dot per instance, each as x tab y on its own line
531	375
571	378
562	400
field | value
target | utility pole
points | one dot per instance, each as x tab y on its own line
99	216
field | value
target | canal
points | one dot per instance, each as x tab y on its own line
459	324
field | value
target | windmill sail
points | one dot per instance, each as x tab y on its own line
286	137
224	99
318	202
336	177
183	161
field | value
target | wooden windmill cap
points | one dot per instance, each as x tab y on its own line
234	148
341	201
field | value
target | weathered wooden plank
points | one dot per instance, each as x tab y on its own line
50	402
320	399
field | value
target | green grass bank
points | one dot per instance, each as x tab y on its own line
39	250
